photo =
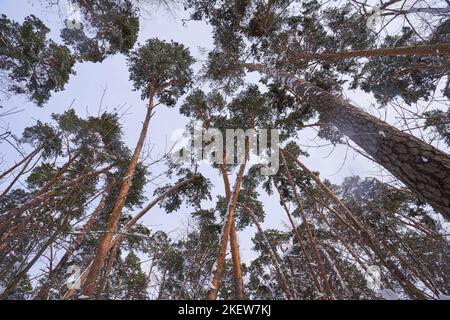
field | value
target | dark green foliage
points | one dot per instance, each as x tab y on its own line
107	27
439	121
161	68
127	279
43	134
411	78
192	194
34	65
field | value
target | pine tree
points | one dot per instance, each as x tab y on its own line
33	64
160	70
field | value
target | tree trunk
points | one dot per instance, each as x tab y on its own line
419	50
366	236
104	280
432	11
15	281
44	198
113	221
420	166
9	187
235	257
38	196
299	239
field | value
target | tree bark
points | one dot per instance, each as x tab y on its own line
433	11
420	166
113	221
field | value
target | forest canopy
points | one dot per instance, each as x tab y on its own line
308	156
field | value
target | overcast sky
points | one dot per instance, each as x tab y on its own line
85	90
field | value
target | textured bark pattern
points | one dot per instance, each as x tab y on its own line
420	166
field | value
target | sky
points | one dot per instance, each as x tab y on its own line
107	85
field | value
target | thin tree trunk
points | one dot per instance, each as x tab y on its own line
26	158
113	221
281	277
299	240
25	166
44	198
432	11
106	274
420	166
161	286
149	275
419	50
336	271
45	289
366	236
308	231
15	281
38	197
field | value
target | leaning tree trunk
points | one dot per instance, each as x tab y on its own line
419	50
298	237
309	233
16	178
113	221
9	235
420	166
